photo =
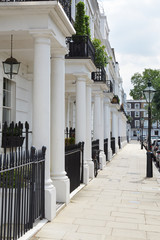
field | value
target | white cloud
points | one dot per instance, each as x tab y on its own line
134	34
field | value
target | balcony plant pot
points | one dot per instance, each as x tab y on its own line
79	46
115	100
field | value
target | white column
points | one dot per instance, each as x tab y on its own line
98	126
115	128
102	154
58	174
88	131
41	114
81	120
97	115
107	127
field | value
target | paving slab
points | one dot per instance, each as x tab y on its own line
120	204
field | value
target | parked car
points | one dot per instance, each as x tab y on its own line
155	148
158	158
153	140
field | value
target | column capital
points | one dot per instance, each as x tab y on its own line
42	33
58	52
81	77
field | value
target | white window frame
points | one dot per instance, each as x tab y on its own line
145	114
137	114
10	103
137	123
129	105
137	106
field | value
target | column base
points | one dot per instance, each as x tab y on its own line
91	168
86	174
50	202
102	160
116	148
62	189
109	154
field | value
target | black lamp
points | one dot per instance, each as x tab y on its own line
11	65
149	94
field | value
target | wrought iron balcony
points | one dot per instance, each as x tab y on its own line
110	86
66	4
80	47
99	76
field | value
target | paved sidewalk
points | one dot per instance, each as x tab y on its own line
120	204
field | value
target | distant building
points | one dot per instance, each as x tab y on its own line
137	109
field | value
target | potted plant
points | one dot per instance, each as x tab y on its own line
80	23
69	141
80	41
115	99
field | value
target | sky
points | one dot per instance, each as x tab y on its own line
135	35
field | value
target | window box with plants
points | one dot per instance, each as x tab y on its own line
12	136
80	45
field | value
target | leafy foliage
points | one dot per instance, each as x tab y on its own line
88	31
80	23
69	141
101	57
140	82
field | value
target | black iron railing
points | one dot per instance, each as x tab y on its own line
74	164
21	191
66	4
113	145
69	132
106	148
80	47
95	149
110	86
99	75
119	142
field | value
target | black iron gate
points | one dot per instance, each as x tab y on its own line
74	164
113	145
106	148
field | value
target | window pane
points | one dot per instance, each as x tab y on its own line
6	98
6	115
6	84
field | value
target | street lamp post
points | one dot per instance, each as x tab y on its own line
149	94
142	123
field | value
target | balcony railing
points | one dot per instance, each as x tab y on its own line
66	4
110	86
80	47
99	75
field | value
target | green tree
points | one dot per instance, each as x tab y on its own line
140	82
